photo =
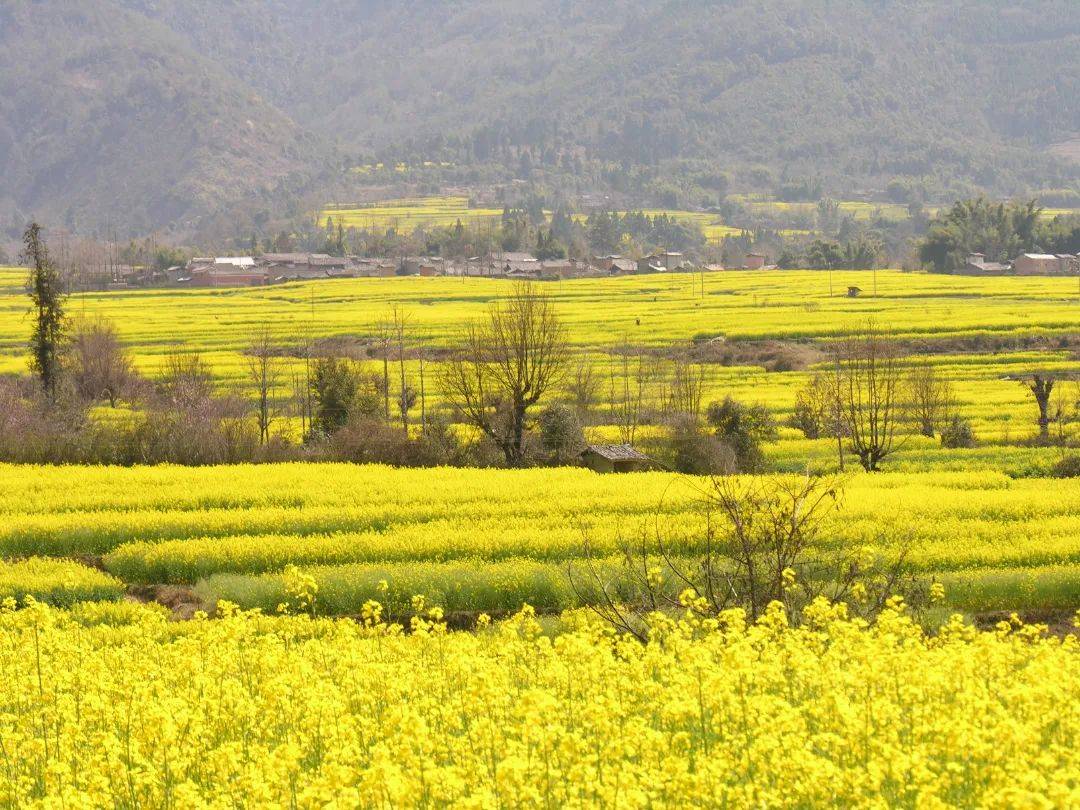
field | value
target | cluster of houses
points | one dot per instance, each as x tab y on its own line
271	268
1026	264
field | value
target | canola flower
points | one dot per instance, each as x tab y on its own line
287	711
488	540
58	582
649	310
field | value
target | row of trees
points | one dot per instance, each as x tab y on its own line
856	253
999	231
520	228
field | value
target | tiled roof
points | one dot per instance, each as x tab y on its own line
616	452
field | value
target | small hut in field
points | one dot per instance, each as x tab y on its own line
614	458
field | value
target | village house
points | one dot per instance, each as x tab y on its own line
662	262
557	268
754	261
613	265
530	270
674	261
475	266
621	266
224	271
295	266
976	265
1045	264
651	264
374	268
423	266
518	258
332	266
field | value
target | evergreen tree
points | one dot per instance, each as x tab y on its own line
47	294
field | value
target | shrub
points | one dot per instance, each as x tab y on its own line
99	366
743	428
695	452
440	445
958	434
370	440
817	408
561	436
1068	467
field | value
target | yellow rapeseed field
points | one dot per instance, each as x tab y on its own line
100	710
319	671
644	311
490	540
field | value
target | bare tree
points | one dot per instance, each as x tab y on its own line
406	399
583	388
632	379
100	367
185	422
264	371
384	338
685	387
763	542
931	396
301	386
421	356
870	385
1041	384
510	360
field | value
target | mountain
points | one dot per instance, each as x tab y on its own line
162	111
108	118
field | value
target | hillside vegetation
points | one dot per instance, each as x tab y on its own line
144	113
109	120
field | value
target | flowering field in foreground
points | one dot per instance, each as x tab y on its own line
259	711
488	540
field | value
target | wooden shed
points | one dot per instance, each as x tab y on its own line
614	458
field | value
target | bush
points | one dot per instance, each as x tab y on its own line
695	452
369	440
342	391
440	445
196	430
99	366
814	406
958	434
561	436
1068	467
743	428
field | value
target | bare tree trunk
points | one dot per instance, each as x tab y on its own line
264	373
423	395
1042	388
404	404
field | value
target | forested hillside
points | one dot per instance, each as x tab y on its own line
162	107
110	120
